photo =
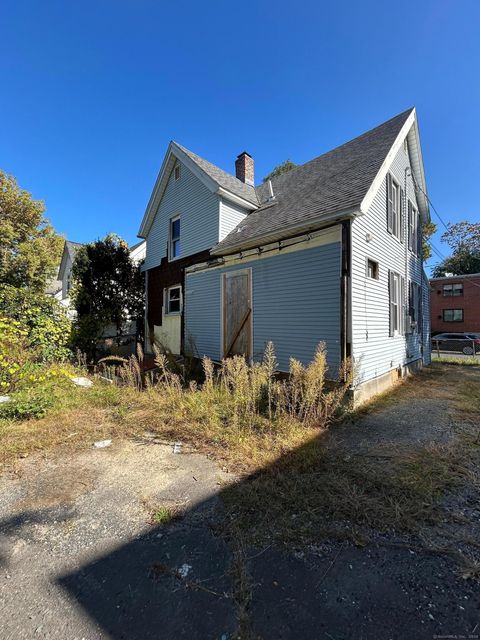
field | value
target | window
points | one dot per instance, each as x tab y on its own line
453	289
173	303
372	269
394	208
176	172
453	315
412	228
414	297
397	304
174	238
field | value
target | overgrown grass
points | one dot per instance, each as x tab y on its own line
473	361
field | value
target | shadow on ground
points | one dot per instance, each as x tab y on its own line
203	577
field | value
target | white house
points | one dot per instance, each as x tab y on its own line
330	251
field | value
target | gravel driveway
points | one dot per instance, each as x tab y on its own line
79	558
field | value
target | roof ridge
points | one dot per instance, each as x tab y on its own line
340	146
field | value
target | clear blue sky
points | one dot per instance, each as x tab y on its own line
92	92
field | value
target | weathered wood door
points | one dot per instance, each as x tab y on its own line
237	313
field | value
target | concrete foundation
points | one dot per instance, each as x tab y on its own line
370	388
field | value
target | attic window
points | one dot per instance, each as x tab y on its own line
176	172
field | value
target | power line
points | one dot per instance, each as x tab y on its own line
430	202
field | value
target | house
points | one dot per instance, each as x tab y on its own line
455	304
330	251
137	252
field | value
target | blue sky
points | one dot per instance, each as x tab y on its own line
92	92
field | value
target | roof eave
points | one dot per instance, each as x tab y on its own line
286	232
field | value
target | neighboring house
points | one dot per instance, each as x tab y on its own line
455	304
137	252
330	251
65	274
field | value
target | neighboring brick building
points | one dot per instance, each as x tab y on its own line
455	304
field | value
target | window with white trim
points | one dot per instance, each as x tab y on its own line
397	303
173	300
412	228
372	269
176	172
174	243
414	296
394	207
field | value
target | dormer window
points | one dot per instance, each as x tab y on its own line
174	244
176	172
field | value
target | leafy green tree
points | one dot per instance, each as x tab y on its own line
428	229
284	167
108	288
30	249
464	240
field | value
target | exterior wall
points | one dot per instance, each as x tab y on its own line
427	341
198	209
230	216
296	303
469	302
374	352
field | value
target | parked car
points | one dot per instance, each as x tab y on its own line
464	342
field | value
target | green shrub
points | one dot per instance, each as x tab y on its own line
37	321
25	407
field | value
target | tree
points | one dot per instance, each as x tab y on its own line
428	229
464	240
30	249
108	288
284	167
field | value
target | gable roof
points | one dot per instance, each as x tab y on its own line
222	178
69	251
337	184
214	178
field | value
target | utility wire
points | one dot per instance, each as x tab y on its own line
417	186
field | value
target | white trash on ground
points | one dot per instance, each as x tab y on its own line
82	382
4	399
102	444
184	570
177	447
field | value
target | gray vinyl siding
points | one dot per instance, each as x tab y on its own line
374	351
230	216
198	209
296	304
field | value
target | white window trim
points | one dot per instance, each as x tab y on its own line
166	302
396	208
175	169
171	257
412	230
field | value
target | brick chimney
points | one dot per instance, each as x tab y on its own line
244	168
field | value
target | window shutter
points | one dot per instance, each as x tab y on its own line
389	204
390	309
419	238
409	225
401	210
401	306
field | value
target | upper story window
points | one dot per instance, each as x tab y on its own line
174	243
176	172
453	289
412	228
394	207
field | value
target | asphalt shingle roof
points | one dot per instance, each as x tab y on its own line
336	181
222	178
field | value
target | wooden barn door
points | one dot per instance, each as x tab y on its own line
237	313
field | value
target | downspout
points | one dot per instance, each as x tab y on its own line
345	333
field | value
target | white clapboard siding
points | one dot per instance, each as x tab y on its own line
374	351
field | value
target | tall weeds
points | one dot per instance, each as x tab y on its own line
242	396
